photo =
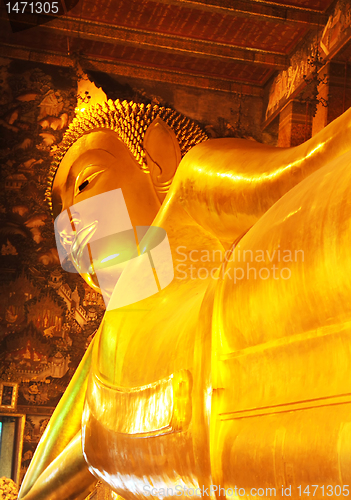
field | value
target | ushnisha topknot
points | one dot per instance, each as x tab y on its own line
130	120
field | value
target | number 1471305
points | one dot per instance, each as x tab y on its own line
324	490
33	7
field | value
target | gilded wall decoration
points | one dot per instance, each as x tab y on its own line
47	317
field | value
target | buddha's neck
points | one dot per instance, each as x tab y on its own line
188	240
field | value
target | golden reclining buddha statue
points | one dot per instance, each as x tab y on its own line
235	379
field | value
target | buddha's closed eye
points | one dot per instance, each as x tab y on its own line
87	179
83	185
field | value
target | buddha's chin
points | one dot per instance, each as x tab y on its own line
107	283
91	280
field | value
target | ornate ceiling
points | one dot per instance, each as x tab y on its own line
225	45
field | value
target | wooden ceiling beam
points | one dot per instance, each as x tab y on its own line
166	43
279	13
101	32
131	71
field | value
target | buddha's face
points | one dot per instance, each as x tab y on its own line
97	163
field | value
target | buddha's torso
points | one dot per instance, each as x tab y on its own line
260	394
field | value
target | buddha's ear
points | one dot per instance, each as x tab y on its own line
162	155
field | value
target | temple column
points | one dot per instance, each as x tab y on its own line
336	91
295	124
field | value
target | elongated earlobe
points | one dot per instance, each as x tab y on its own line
162	155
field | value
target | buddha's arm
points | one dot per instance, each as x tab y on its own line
226	185
66	478
63	426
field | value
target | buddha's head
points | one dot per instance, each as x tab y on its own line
129	147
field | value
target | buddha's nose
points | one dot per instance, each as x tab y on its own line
82	238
